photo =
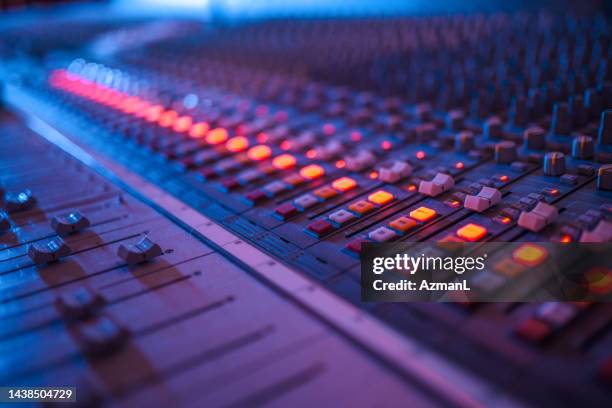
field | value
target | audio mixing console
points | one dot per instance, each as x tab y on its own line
185	204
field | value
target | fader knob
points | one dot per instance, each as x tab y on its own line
583	147
505	152
21	201
142	251
604	177
605	128
69	223
49	251
464	141
554	164
535	138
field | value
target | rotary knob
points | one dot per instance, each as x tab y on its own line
604	177
505	152
561	120
493	128
554	164
535	138
583	147
464	141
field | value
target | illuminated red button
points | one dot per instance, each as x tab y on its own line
472	232
533	331
167	118
258	153
312	172
320	227
355	245
286	210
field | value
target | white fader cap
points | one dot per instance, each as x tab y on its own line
538	218
394	171
439	184
486	198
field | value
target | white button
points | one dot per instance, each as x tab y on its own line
359	161
440	183
486	198
394	171
341	217
274	187
306	201
601	233
535	220
382	234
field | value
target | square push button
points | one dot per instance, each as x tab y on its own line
341	217
403	224
472	232
381	197
361	207
382	234
423	214
320	227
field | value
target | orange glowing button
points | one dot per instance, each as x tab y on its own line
403	224
237	144
472	232
182	124
529	254
284	161
130	105
153	113
423	214
325	192
167	118
340	164
361	207
344	184
198	130
311	154
381	197
420	155
312	171
216	136
260	152
142	109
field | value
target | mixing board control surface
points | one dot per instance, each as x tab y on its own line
199	228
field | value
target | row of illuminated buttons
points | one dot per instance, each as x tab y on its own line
395	228
321	194
357	209
274	188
